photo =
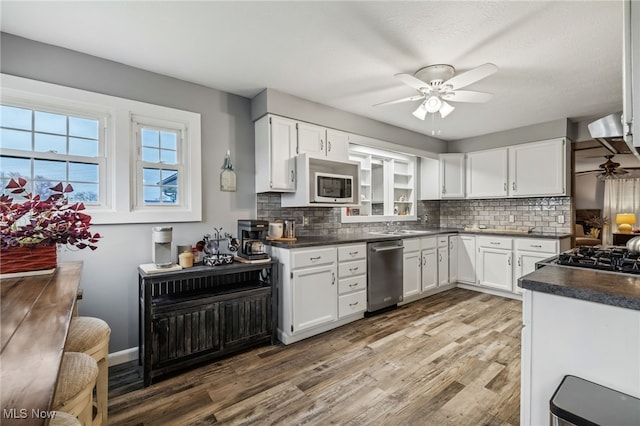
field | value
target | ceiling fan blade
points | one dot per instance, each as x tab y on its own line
467	96
412	81
471	76
397	101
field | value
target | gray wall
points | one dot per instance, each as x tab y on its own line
275	102
588	192
536	132
109	277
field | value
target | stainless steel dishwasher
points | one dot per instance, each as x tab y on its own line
384	274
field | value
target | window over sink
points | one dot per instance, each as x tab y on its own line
387	186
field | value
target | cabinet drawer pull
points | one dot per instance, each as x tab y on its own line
333	278
536	245
520	261
353	269
321	145
353	285
313	259
353	253
292	176
509	260
505	187
495	243
513	186
328	145
353	304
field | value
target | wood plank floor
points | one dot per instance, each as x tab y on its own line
450	359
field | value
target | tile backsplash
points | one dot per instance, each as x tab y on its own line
541	213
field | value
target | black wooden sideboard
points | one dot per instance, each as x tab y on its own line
202	313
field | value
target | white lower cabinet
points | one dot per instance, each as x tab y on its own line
443	260
352	280
315	292
453	258
467	259
495	263
528	252
412	268
319	288
429	255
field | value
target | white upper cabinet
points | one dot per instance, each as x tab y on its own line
487	173
275	144
538	169
452	182
535	169
319	142
429	178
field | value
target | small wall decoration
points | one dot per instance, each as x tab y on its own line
227	176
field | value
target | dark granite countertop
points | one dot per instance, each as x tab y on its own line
621	290
367	237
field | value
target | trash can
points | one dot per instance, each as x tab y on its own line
580	402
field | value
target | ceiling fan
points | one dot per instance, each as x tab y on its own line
607	170
436	84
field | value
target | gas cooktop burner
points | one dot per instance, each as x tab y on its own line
613	259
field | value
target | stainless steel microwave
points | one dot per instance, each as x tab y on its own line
332	188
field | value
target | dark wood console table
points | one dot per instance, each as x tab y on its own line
35	312
621	239
202	313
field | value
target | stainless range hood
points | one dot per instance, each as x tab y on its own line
609	132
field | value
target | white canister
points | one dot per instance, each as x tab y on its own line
275	230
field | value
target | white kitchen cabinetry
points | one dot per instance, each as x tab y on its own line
528	251
319	142
314	288
320	288
352	279
412	268
443	260
562	335
487	173
538	169
467	259
452	170
453	258
275	149
429	256
495	263
429	178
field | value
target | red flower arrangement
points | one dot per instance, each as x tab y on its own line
36	222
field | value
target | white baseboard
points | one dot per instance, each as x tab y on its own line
121	357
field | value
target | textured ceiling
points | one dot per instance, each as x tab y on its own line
557	59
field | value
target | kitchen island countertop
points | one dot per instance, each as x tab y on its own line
372	236
621	290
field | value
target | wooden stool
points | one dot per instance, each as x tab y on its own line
74	389
91	336
60	418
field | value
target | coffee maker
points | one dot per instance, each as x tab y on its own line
251	234
161	248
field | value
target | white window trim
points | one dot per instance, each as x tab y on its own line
119	173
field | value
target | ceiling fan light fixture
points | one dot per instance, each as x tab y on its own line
421	111
446	109
433	104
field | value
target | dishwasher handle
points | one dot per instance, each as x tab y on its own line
376	249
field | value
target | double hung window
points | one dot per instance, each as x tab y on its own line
127	161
